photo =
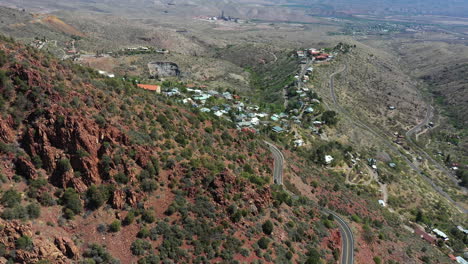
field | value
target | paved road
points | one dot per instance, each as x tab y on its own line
425	122
386	142
347	253
279	163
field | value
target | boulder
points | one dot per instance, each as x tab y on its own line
25	168
118	199
67	247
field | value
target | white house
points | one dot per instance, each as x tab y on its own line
328	159
298	143
440	234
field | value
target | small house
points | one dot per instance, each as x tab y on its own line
298	143
461	260
440	234
424	235
277	129
309	110
150	87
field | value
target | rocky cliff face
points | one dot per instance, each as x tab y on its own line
163	69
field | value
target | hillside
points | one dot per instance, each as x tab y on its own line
94	168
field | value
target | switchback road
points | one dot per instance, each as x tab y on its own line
347	252
415	129
386	142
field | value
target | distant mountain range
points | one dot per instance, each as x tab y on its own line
388	7
457	8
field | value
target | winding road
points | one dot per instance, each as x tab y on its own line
392	147
347	252
409	134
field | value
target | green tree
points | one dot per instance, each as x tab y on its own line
267	227
96	197
71	202
10	198
263	242
330	118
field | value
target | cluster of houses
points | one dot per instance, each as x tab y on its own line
314	54
247	117
144	49
438	235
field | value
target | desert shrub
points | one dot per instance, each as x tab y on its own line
96	197
34	210
100	120
267	227
121	178
281	197
377	260
313	257
17	212
105	166
71	203
115	226
149	185
37	161
148	216
143	233
151	259
97	254
46	199
203	207
24	243
153	234
368	234
263	242
356	218
101	228
140	247
3	58
63	166
10	198
129	218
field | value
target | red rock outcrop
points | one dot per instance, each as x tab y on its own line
67	247
118	199
25	168
7	134
43	248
